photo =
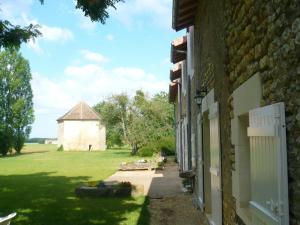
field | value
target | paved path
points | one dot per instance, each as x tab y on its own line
168	205
157	184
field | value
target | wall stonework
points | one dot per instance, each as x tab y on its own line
210	73
263	37
235	40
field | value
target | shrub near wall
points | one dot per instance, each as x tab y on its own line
165	146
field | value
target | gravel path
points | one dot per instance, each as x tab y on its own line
168	205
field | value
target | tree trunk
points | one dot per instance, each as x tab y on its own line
134	149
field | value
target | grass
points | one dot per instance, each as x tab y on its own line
39	185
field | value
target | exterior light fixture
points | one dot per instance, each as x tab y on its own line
200	94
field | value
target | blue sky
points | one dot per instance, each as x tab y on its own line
76	59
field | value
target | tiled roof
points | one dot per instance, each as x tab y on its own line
81	111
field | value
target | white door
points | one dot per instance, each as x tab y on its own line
215	165
178	142
199	170
268	160
185	146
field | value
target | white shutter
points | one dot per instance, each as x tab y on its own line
190	52
269	185
184	76
215	164
199	176
185	146
193	142
178	141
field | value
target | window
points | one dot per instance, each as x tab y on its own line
268	162
260	176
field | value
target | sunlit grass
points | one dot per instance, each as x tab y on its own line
39	185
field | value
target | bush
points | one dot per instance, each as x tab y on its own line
61	148
166	146
146	151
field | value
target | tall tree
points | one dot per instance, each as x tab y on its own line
113	113
136	121
13	35
16	112
150	119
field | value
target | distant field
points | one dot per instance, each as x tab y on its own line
39	185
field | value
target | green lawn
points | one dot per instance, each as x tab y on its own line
39	185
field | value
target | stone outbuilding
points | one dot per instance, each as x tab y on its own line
81	129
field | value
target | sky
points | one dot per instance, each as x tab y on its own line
78	60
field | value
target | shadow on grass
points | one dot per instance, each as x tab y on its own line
46	199
144	218
22	154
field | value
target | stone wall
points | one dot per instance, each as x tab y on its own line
78	135
210	59
263	37
235	40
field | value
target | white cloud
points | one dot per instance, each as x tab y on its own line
109	37
159	12
10	10
55	34
130	73
50	34
94	56
90	83
35	46
17	12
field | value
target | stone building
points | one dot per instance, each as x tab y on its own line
236	90
80	129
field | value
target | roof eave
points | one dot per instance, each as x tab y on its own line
183	14
178	49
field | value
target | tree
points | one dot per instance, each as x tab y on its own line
151	119
16	114
136	121
13	35
113	112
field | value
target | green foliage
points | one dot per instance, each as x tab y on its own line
166	145
61	148
136	121
151	119
114	115
13	35
19	141
146	151
96	9
5	141
36	140
16	106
